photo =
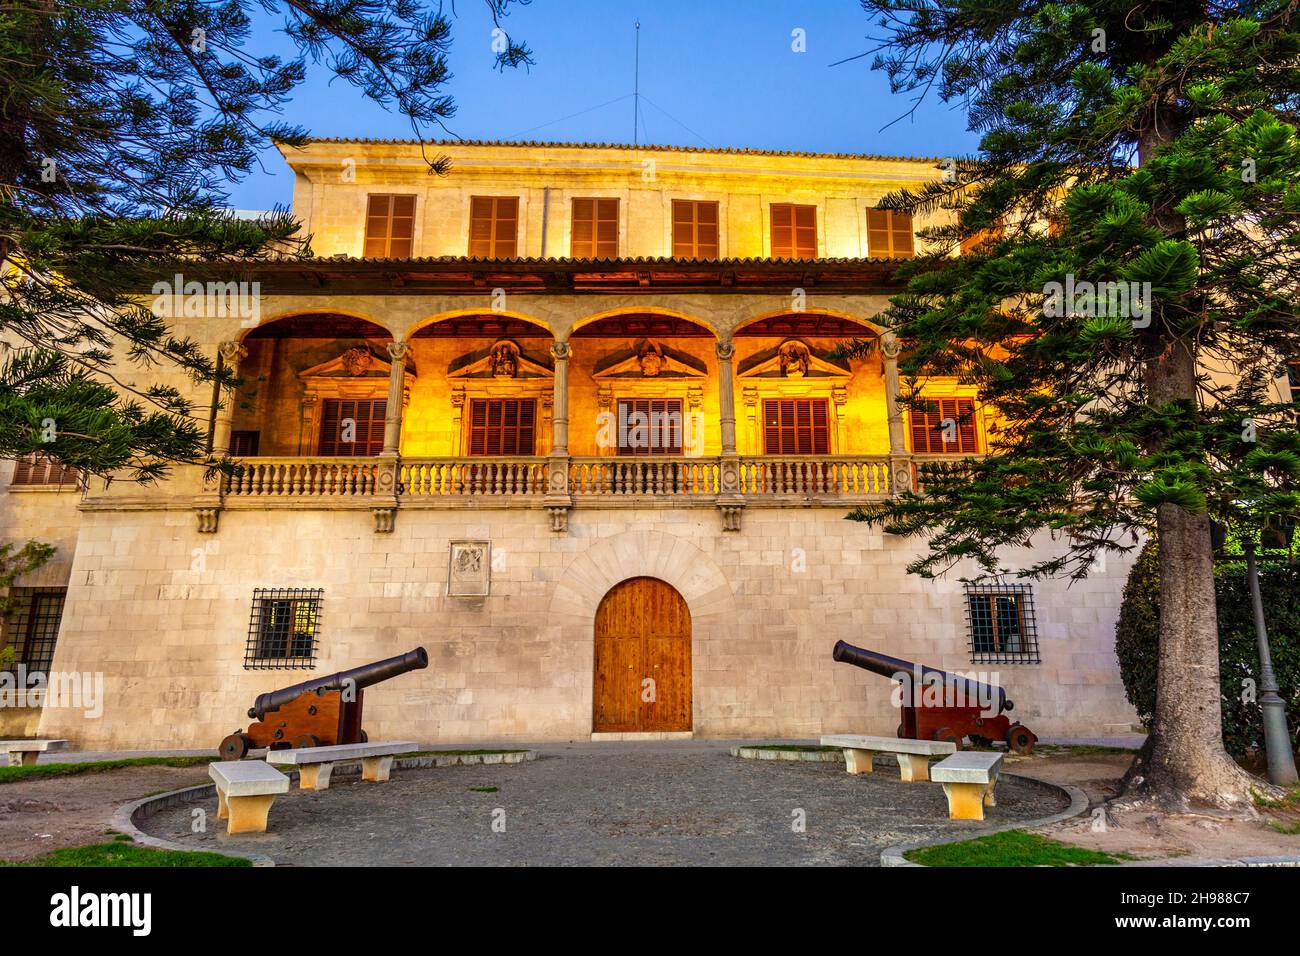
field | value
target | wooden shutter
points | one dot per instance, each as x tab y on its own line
794	231
38	469
796	426
368	414
695	229
658	433
502	426
594	232
889	234
390	226
244	444
928	432
493	226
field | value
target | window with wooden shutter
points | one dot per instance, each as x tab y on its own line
594	232
244	444
390	226
38	469
946	427
695	229
650	426
502	426
361	420
493	226
794	231
796	426
889	234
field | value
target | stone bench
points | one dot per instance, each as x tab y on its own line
968	779
23	753
315	764
245	791
913	755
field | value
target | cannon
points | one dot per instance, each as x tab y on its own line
318	712
937	705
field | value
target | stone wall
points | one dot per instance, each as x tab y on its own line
163	612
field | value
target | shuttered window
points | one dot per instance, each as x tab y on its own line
361	420
244	444
650	426
493	226
595	229
947	427
794	231
796	426
889	234
502	426
38	469
390	226
695	229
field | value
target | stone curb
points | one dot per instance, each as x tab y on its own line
893	855
127	816
815	756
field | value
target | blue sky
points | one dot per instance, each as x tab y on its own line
713	72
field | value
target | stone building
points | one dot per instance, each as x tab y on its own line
572	418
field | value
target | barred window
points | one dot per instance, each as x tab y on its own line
1000	623
33	628
283	629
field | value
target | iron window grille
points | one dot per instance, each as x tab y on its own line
1000	623
33	628
284	629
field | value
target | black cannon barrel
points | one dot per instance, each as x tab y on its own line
890	667
362	676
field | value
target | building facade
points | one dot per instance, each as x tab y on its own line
573	418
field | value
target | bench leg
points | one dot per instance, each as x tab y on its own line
857	761
223	808
248	814
988	794
965	800
315	776
376	768
23	758
913	768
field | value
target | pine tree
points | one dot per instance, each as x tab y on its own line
122	124
1131	145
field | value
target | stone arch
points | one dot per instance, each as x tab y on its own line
834	313
434	319
645	310
306	313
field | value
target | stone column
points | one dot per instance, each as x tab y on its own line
397	350
900	464
558	501
730	499
232	353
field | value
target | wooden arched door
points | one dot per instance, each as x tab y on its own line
643	659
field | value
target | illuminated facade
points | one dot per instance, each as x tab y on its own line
573	418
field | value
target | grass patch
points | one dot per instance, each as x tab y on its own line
484	789
1081	750
1290	799
14	774
122	852
457	753
1286	829
1012	848
792	748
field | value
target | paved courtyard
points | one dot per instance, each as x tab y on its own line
612	804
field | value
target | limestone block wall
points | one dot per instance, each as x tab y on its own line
163	613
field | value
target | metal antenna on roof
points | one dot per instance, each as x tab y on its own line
636	86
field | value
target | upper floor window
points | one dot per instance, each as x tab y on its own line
245	443
794	231
889	234
595	229
945	427
796	426
38	469
502	426
493	226
650	426
695	229
390	226
1293	381
352	427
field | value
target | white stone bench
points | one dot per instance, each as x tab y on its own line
315	764
23	753
968	779
913	755
245	791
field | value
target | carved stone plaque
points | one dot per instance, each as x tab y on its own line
469	571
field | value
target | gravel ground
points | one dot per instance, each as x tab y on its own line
626	805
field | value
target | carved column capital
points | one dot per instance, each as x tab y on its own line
725	350
397	349
232	353
560	351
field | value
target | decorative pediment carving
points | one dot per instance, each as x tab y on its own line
357	362
503	359
793	359
649	359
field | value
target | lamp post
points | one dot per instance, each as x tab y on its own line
1277	738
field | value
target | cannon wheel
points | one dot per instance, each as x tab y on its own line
305	740
365	738
1021	739
944	733
235	747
